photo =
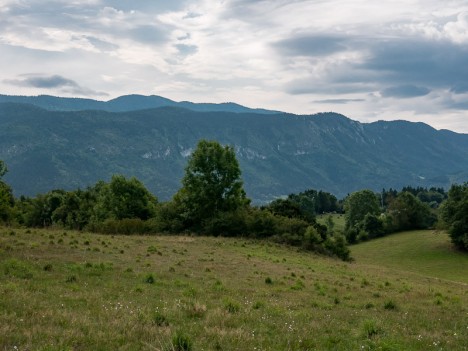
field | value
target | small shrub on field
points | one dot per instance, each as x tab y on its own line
299	285
390	305
370	328
149	279
231	306
47	267
71	279
218	286
268	280
160	320
257	305
181	342
152	249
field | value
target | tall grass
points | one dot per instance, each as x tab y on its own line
211	294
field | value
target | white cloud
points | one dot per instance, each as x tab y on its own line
368	60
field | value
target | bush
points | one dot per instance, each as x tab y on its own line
160	320
233	223
181	342
370	328
390	305
231	306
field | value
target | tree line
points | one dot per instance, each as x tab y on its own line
212	201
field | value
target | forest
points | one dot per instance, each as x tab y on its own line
212	201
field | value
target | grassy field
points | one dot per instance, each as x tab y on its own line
338	220
424	252
63	290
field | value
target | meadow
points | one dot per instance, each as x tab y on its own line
65	290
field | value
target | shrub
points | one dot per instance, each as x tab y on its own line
160	320
181	342
370	328
390	305
231	306
149	279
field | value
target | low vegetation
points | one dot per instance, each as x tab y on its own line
70	290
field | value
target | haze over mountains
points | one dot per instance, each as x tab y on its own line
49	142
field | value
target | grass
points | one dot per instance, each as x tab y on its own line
424	252
338	220
211	294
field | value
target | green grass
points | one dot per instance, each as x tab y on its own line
423	252
79	291
338	220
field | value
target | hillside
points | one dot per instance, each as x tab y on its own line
68	290
278	153
423	252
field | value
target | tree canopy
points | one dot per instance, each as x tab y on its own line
454	213
3	168
212	183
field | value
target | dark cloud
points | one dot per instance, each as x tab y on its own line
327	86
47	82
311	45
337	101
433	64
52	82
404	91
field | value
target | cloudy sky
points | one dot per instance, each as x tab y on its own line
370	60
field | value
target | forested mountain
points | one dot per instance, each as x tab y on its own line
279	153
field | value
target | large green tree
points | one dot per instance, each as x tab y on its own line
125	198
6	196
357	206
211	185
454	214
408	212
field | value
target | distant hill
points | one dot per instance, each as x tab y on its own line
123	104
279	153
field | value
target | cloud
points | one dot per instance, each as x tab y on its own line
149	34
404	91
434	64
310	45
101	44
338	101
53	82
289	55
186	49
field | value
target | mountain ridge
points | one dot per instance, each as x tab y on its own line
279	153
124	103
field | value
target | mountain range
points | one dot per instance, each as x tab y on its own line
50	142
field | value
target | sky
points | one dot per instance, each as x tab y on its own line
369	60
